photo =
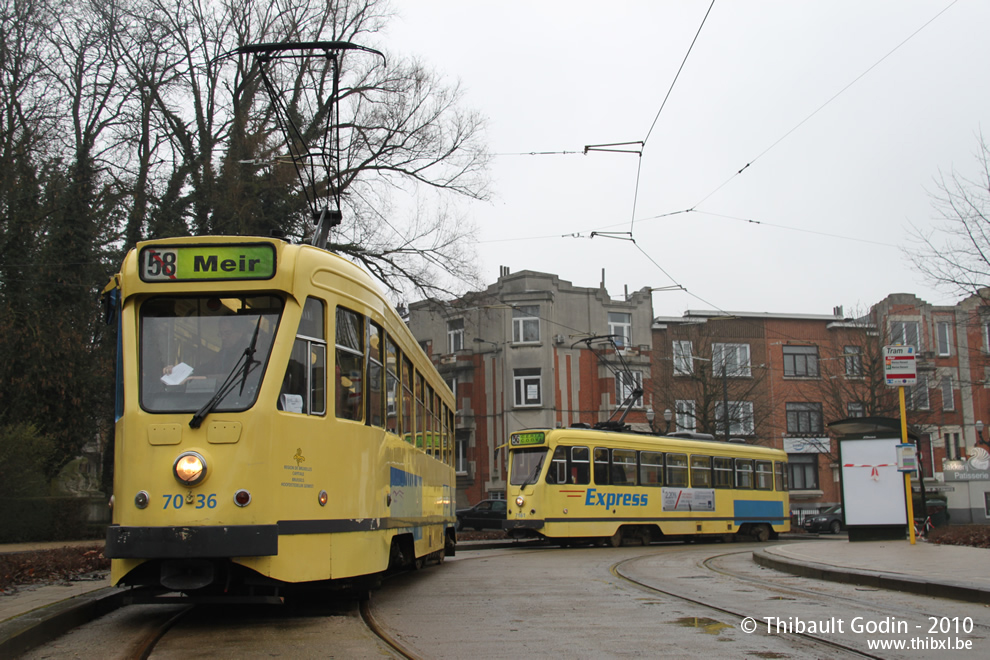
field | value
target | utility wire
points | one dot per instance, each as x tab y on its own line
822	106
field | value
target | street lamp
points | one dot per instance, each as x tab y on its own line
479	340
979	434
667	416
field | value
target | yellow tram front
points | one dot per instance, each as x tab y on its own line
252	442
587	485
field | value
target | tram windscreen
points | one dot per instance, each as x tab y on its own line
526	466
191	346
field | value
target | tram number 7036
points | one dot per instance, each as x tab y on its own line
200	501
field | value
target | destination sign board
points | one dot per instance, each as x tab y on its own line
900	365
192	263
527	438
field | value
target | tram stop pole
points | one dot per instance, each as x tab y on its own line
907	473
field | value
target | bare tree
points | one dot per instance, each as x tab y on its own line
209	159
709	381
956	253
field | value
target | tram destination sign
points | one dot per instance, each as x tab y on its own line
527	438
203	263
900	365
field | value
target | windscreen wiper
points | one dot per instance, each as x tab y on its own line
245	364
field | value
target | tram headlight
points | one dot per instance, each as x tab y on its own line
189	468
520	501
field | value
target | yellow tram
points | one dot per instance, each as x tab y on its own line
279	429
577	485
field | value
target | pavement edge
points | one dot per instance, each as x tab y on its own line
879	579
22	633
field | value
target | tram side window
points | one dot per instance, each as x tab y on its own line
304	385
601	466
744	473
650	468
432	438
376	375
764	475
623	467
420	409
407	400
350	365
701	471
570	465
677	469
780	476
722	472
557	474
391	386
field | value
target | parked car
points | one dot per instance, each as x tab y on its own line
486	514
828	520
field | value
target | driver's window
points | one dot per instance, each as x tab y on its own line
304	385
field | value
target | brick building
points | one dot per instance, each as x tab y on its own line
781	378
522	354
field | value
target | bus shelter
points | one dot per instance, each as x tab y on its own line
874	501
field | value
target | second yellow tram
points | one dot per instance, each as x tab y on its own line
578	485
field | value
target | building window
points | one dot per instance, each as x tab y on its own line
906	333
942	332
855	409
620	327
953	447
625	384
527	387
683	362
801	361
460	451
804	418
948	397
685	419
731	360
455	335
802	471
526	324
853	356
916	396
740	418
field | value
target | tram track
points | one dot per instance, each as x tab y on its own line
715	565
616	571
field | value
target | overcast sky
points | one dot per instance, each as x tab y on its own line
835	190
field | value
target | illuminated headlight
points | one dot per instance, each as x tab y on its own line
189	468
322	498
141	499
519	501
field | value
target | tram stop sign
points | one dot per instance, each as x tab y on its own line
900	365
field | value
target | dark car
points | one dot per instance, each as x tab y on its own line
829	520
486	514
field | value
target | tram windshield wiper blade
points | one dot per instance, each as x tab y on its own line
245	363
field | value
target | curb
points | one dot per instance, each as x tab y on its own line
892	581
23	633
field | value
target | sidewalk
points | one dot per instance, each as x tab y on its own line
34	615
945	571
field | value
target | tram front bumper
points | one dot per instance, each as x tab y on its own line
187	542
